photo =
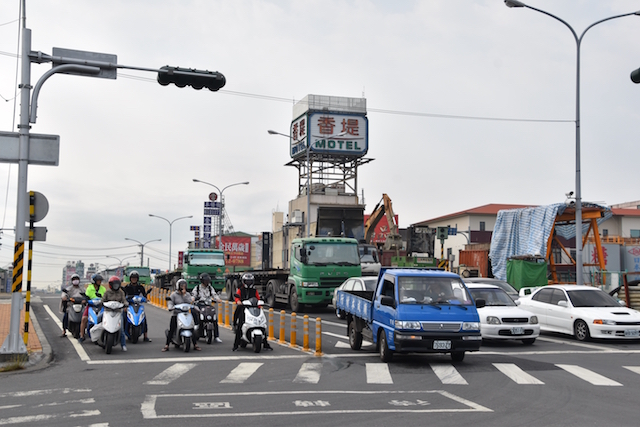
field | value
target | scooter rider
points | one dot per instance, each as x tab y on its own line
115	293
94	290
245	291
70	293
134	288
180	296
203	292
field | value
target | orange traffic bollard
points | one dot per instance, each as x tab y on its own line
281	339
318	337
305	333
271	324
293	340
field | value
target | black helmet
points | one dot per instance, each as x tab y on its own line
248	280
97	277
205	278
135	274
114	283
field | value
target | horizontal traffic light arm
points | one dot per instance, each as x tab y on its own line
197	79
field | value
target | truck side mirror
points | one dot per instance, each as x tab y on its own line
388	301
303	255
480	303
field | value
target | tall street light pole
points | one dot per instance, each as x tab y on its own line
170	226
220	233
516	3
142	248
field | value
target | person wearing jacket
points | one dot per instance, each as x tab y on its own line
180	296
202	293
69	294
245	291
134	288
94	290
115	293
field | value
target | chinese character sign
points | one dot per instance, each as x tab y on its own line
339	134
238	249
381	230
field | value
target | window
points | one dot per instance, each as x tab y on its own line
388	289
557	255
635	233
605	232
482	226
557	296
543	295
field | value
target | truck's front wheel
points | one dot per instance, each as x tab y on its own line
355	337
293	300
385	353
457	356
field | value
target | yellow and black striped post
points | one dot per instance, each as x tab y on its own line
32	212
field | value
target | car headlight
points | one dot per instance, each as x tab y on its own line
309	284
533	320
493	320
604	322
408	325
470	326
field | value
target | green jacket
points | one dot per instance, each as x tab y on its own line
91	291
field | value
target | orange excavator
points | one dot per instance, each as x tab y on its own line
393	240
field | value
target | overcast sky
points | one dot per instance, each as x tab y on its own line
503	78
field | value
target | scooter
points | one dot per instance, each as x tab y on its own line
185	326
208	320
133	328
254	328
107	333
74	312
94	313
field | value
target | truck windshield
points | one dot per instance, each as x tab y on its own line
432	290
332	253
206	258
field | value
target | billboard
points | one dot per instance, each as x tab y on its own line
340	134
381	229
237	251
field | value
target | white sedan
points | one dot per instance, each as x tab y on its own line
501	318
582	311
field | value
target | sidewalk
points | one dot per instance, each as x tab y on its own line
38	348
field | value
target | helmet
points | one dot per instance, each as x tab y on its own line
97	277
205	278
248	280
135	274
114	282
75	279
181	283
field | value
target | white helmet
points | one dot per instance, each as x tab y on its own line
179	284
248	280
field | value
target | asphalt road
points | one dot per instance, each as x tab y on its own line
555	382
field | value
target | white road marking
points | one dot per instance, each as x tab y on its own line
171	373
48	391
516	374
378	373
39	418
448	374
574	343
89	400
83	354
241	372
588	376
309	373
635	369
10	406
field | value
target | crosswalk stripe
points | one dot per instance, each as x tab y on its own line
448	374
241	372
171	373
378	373
516	374
589	376
635	369
309	373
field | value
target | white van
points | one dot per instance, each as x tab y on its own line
369	260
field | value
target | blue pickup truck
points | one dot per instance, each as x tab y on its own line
413	311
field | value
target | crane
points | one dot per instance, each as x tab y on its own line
393	240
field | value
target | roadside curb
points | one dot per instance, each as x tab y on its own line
39	359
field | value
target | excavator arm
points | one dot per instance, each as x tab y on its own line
384	207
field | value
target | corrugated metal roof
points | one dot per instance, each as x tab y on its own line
490	209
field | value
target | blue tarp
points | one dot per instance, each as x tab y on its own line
525	232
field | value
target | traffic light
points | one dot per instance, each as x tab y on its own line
197	79
443	233
635	76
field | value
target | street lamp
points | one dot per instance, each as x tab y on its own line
516	3
142	248
170	226
120	261
221	204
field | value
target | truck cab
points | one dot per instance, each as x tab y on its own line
197	261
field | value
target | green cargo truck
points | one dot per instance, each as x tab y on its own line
317	266
143	272
197	261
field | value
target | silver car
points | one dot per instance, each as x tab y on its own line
355	284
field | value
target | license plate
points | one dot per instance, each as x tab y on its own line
632	333
441	345
517	331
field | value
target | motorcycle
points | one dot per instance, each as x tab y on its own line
133	328
94	313
74	312
185	326
107	333
208	320
254	328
